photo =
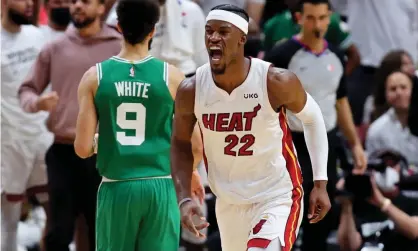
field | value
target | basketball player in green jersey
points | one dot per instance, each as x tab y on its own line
131	98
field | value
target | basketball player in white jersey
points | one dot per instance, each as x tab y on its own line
240	106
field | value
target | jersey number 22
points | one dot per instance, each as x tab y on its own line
233	140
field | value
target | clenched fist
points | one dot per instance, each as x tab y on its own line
47	102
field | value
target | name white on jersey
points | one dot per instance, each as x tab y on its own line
247	146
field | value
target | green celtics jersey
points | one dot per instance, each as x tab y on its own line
135	112
282	27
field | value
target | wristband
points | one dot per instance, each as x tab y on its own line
184	201
385	205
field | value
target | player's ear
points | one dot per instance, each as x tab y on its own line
151	34
243	39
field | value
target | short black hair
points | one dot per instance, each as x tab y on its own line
137	18
234	9
314	2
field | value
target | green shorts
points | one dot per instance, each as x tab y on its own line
137	215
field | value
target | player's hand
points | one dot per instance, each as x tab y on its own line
360	159
319	203
187	210
198	191
47	102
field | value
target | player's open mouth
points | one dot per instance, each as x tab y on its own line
215	53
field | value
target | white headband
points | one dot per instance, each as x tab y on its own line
223	15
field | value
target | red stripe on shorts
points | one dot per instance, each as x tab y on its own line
292	166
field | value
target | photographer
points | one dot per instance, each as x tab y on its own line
384	203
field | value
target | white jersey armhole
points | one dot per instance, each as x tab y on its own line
198	77
99	73
165	74
266	66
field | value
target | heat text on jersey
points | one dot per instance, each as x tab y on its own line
226	122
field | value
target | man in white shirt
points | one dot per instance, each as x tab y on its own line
390	131
24	137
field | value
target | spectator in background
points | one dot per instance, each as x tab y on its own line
271	8
320	67
390	131
377	27
59	17
73	181
340	6
376	105
179	37
285	25
24	137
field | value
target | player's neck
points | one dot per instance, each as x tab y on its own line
134	52
316	45
235	74
8	25
92	29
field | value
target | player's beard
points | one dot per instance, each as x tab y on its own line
85	23
18	18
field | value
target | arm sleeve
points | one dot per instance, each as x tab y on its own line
316	137
36	81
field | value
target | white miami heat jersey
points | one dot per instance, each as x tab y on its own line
248	149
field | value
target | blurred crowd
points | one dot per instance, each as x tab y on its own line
46	46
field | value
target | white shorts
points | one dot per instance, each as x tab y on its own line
23	164
256	225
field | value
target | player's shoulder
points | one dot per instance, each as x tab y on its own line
90	80
91	75
185	96
281	77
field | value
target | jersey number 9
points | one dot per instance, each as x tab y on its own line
137	124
